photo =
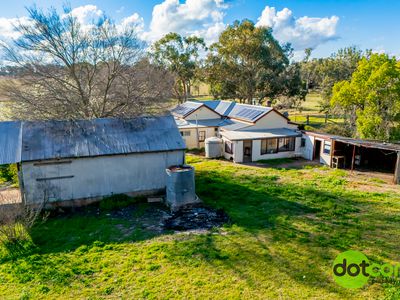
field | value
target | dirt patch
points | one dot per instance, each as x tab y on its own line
154	218
9	195
294	163
196	217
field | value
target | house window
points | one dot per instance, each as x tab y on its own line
303	142
228	147
286	144
185	133
202	136
327	148
269	146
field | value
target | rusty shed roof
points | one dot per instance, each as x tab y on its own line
45	140
358	142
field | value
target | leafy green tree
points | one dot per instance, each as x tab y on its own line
247	63
181	56
323	73
372	96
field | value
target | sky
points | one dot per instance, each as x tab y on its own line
324	25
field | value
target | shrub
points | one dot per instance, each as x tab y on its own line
16	221
9	173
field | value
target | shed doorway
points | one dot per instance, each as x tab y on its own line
317	150
247	151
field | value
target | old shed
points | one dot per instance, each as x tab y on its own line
82	161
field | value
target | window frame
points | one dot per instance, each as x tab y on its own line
266	148
325	150
202	133
291	143
185	133
228	149
303	142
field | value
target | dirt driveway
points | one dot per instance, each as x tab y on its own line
9	195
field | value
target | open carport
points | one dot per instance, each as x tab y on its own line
365	155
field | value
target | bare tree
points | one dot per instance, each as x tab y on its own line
68	70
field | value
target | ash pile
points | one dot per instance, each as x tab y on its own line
196	217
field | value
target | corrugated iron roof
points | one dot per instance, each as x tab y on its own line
259	134
182	123
358	142
221	107
10	142
85	138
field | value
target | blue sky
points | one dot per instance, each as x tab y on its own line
325	25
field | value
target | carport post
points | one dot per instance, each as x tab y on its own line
353	158
397	170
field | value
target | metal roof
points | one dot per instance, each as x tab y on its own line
45	140
10	142
186	108
358	142
259	134
182	123
368	143
221	107
245	112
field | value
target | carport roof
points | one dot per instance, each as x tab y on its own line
357	142
43	140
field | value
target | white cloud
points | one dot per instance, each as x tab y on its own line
7	27
200	17
304	32
87	14
134	20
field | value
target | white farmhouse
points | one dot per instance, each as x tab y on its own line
249	132
76	162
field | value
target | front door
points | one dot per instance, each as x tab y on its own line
247	150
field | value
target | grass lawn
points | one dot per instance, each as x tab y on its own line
287	226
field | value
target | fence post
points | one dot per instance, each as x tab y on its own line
326	118
308	120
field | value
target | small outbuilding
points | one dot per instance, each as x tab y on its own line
353	154
76	162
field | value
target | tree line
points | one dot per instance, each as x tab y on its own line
60	69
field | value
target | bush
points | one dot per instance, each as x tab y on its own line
16	221
9	173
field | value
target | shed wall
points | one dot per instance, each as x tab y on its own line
93	177
308	150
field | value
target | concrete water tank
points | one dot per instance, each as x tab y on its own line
213	147
180	187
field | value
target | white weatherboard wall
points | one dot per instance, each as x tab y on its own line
287	154
273	120
203	113
191	140
308	150
99	176
237	155
325	158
